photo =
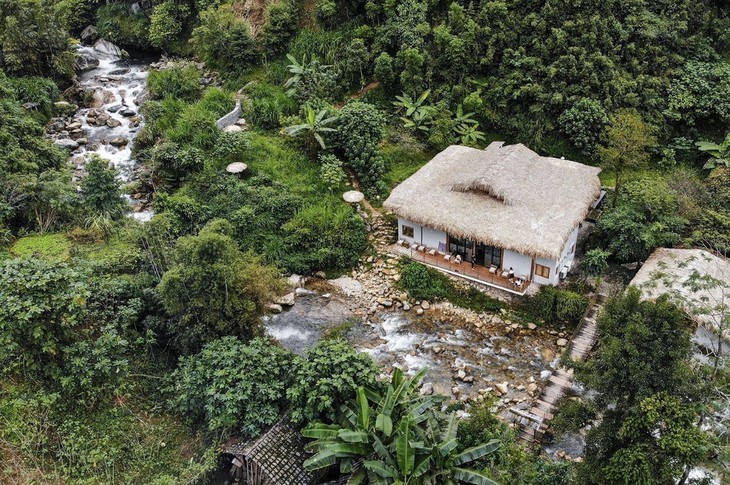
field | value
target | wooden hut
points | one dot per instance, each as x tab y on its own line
275	458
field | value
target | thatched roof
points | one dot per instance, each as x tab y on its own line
507	196
696	279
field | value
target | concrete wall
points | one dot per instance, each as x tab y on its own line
432	237
416	231
521	264
227	120
568	255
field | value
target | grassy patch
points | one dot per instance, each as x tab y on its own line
401	162
50	246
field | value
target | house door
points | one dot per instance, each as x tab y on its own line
489	255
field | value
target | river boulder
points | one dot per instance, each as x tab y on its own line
86	62
106	47
89	35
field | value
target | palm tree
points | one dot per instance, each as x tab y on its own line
719	153
314	126
401	437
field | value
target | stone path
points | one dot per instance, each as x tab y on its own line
534	423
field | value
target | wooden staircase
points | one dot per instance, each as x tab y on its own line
533	424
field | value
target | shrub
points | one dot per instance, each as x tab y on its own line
327	378
180	81
359	131
572	415
231	384
422	283
322	237
280	27
555	305
116	23
267	104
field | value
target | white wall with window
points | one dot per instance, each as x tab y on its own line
520	263
409	231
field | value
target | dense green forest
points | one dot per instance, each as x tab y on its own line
130	351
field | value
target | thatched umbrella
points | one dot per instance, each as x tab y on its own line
236	168
353	196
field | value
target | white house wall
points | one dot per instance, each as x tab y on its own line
432	237
569	250
520	264
416	231
552	264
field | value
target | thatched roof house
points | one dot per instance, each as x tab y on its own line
507	197
696	279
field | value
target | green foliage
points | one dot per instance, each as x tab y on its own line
174	164
642	376
180	81
331	171
267	104
280	26
555	305
584	123
48	246
116	23
401	436
327	378
117	444
223	41
311	80
166	23
323	237
213	289
719	153
359	131
644	219
572	415
48	51
40	315
316	124
511	462
422	283
700	94
595	262
100	192
627	138
232	385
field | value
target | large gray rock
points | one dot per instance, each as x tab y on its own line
67	143
106	47
86	63
89	35
118	141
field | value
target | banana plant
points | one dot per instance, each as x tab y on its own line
467	128
314	126
719	153
416	114
399	436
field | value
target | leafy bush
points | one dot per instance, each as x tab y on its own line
280	26
584	123
572	415
223	40
266	104
213	289
555	305
359	131
323	237
328	377
100	191
180	81
116	23
422	283
231	384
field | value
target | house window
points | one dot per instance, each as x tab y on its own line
541	270
407	231
460	246
572	249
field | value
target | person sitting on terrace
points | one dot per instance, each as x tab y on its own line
511	274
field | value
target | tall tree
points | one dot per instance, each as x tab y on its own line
646	394
213	289
627	138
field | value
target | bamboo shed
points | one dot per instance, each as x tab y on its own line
275	458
